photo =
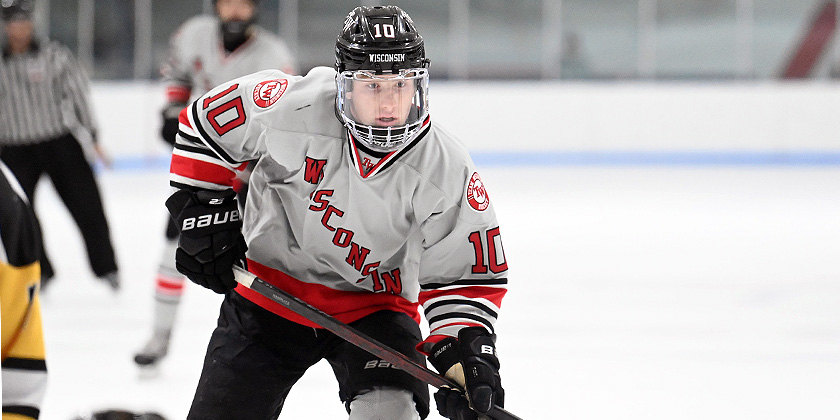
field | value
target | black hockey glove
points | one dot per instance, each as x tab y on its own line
471	362
169	128
211	240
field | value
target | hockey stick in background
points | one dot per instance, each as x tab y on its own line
354	336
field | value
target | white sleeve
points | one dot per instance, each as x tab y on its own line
176	70
467	278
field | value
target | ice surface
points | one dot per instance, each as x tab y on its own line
635	293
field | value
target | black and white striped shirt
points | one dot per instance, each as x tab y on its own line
43	95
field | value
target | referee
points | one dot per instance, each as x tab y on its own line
44	115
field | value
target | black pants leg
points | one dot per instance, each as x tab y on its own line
27	164
73	178
253	359
65	163
358	371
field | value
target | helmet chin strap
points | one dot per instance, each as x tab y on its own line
235	33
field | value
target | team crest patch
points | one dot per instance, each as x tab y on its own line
267	92
477	194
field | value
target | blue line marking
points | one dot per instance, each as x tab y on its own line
591	158
657	158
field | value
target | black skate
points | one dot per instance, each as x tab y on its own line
112	279
154	350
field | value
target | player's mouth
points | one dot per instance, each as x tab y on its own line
387	121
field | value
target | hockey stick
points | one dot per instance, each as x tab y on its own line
354	336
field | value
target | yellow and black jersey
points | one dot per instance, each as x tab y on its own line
20	245
24	368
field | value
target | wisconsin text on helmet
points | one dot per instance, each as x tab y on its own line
386	58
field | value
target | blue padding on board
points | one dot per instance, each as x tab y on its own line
589	158
657	158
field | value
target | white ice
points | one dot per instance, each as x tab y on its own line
635	293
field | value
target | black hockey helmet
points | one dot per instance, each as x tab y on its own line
382	39
380	51
18	9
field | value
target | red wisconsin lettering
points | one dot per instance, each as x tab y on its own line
320	198
313	172
342	237
357	256
370	270
325	219
392	280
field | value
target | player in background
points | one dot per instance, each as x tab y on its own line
24	369
47	126
358	204
204	52
119	414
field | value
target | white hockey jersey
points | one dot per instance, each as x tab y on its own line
197	62
334	225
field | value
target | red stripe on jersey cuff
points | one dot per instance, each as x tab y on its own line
169	283
344	306
179	94
201	170
433	338
493	294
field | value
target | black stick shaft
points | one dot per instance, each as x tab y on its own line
354	336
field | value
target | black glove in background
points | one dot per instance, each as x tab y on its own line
169	127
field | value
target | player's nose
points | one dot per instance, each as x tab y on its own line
387	100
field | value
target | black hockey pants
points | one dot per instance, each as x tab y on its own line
255	357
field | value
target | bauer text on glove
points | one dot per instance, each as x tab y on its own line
211	240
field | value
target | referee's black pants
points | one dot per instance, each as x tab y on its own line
63	160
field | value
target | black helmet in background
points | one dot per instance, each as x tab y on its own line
17	9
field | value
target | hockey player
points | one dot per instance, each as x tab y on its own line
45	123
24	370
204	52
364	216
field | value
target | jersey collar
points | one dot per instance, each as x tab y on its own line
388	159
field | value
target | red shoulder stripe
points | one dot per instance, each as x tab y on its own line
176	93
